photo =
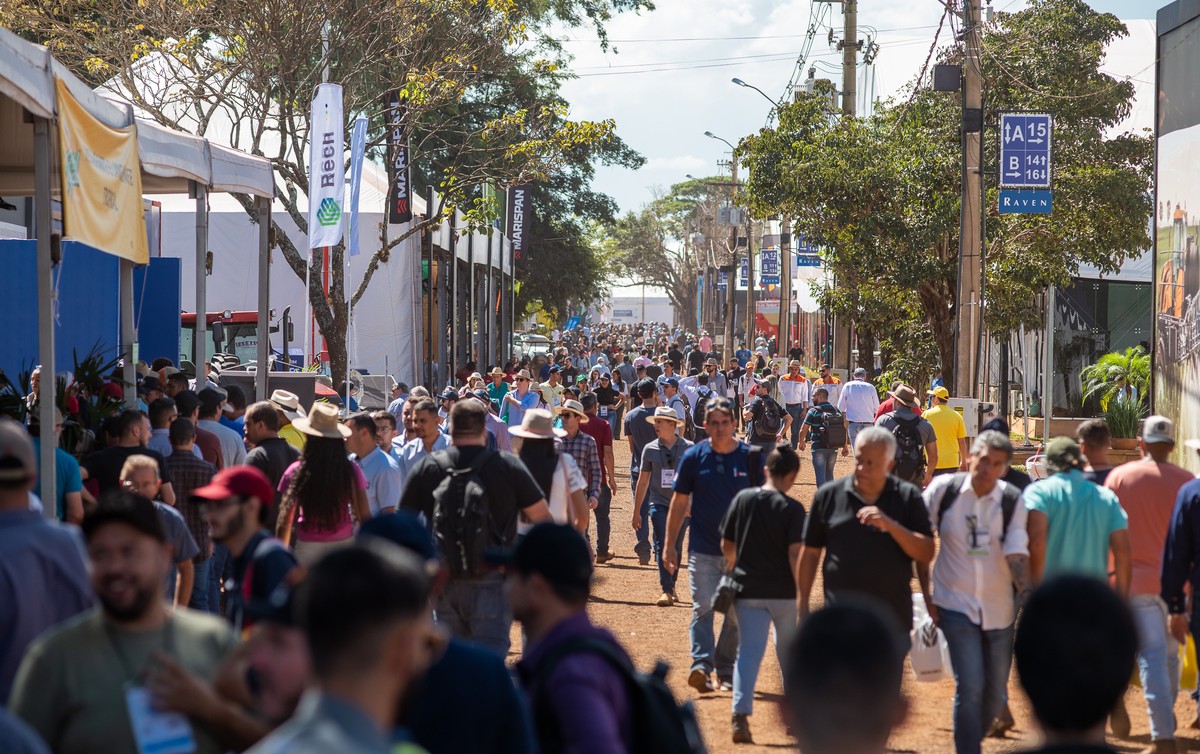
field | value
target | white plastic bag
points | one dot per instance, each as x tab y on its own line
930	656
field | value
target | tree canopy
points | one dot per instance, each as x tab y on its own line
881	194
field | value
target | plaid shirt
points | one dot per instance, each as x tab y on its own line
583	449
189	473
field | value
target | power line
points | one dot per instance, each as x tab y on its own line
787	54
684	68
725	39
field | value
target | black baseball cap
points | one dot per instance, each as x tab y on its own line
556	551
401	528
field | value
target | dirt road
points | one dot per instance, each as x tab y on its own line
624	596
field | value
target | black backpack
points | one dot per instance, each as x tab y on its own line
833	428
1011	497
700	410
660	725
770	420
462	520
910	450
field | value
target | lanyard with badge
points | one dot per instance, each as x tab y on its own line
668	467
155	731
979	535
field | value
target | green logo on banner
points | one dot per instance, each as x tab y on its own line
72	170
329	213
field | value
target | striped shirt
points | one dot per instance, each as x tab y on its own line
582	448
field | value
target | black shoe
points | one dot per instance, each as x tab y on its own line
741	729
698	679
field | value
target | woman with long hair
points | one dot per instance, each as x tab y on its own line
324	493
555	472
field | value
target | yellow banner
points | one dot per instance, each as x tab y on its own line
101	182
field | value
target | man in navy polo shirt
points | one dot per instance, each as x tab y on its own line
710	474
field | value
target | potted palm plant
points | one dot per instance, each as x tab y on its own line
1120	381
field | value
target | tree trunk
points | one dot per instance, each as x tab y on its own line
940	319
866	351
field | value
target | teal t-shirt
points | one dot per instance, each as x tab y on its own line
1081	517
66	476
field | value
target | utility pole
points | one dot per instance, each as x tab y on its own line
727	348
785	287
749	282
849	46
968	308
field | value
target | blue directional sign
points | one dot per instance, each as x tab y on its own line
1026	201
745	273
1025	154
722	280
769	275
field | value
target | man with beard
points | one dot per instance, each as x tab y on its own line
235	505
86	685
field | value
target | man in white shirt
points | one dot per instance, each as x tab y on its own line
858	402
795	393
984	553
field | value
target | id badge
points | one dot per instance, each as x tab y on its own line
604	412
156	731
980	544
668	477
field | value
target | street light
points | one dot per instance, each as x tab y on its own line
712	135
770	99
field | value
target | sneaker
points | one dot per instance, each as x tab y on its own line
698	679
643	560
604	557
726	684
666	600
1119	720
741	729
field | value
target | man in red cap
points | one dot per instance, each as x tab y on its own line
236	505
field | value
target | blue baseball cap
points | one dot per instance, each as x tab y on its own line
401	528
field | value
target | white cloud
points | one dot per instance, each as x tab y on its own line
681	165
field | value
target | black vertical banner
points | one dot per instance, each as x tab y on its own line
520	217
399	185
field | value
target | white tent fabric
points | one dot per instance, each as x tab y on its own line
385	329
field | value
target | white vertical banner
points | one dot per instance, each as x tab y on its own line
358	149
326	172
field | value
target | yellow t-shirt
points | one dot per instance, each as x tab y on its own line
949	428
294	437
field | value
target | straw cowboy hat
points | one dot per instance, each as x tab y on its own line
665	413
573	407
322	421
288	403
537	424
496	372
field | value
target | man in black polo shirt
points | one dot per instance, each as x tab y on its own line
872	526
474	607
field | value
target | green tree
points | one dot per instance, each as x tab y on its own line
1115	373
479	79
881	194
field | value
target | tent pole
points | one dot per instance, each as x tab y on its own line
263	372
200	331
487	323
45	282
129	335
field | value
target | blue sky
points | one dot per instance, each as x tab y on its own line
668	79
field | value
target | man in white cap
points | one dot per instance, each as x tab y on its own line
1147	490
520	400
858	402
289	408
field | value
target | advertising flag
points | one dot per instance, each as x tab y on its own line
358	149
326	171
520	215
101	182
399	186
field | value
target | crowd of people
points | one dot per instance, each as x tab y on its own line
220	576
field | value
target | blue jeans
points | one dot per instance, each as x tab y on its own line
614	423
658	518
754	623
476	610
823	461
854	428
704	572
1158	663
796	411
981	660
200	587
220	567
642	548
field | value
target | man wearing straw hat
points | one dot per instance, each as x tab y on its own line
289	408
498	387
517	402
916	442
660	460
